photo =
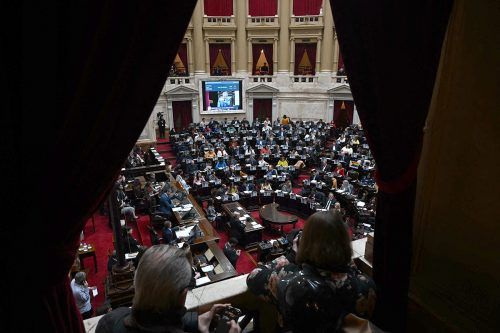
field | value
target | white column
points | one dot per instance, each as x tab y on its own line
233	58
275	56
292	55
318	57
249	57
207	57
189	43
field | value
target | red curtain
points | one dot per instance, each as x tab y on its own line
343	117
408	35
268	51
104	64
226	54
262	7
300	48
306	7
182	113
218	7
340	66
182	52
262	108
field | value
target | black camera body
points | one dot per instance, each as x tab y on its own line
224	316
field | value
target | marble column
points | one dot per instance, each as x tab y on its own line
327	47
199	45
284	36
241	36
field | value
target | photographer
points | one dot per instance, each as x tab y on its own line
323	259
161	125
161	282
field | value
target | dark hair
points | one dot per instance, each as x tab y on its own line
325	243
233	241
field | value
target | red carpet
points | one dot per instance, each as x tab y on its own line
102	238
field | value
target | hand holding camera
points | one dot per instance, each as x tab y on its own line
222	317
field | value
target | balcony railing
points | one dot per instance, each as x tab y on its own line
219	22
304	79
261	78
263	22
340	79
306	21
177	80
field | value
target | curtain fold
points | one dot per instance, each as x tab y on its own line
182	112
408	36
218	7
103	66
182	52
306	7
262	7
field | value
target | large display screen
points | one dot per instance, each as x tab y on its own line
221	96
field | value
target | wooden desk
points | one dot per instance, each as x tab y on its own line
269	214
253	232
228	271
87	252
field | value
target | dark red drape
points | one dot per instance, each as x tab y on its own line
183	114
103	66
262	7
262	108
400	41
268	51
218	7
300	48
343	117
226	54
182	52
306	7
341	62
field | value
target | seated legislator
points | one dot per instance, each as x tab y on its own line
161	284
265	150
287	186
346	187
261	162
210	154
330	201
324	252
282	162
266	186
339	170
168	233
198	179
264	69
221	164
285	120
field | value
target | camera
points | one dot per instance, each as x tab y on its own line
225	315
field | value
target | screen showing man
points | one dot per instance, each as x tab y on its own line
221	96
225	100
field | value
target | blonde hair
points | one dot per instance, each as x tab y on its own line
163	273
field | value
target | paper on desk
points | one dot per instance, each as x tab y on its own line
208	268
176	209
218	197
184	233
180	245
254	223
239	208
131	255
242	218
360	204
188	206
202	280
94	292
246	215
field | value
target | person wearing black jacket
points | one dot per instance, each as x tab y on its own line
231	252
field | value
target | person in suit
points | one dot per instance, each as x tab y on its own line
318	196
166	204
324	166
315	175
237	227
191	168
168	233
330	202
271	172
231	252
161	125
264	69
248	186
287	186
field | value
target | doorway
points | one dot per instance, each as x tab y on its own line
343	112
182	112
263	108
